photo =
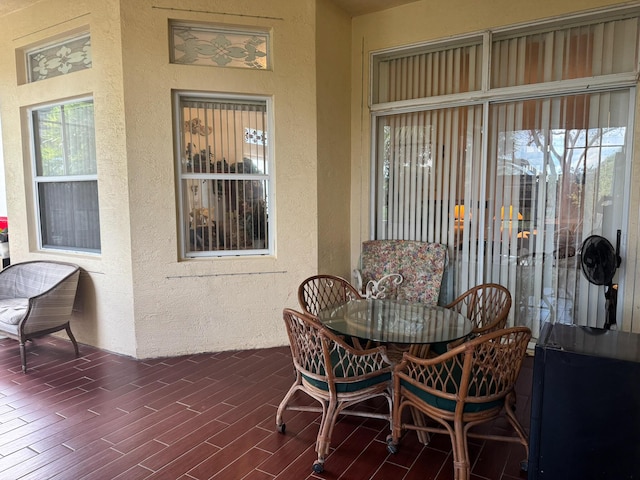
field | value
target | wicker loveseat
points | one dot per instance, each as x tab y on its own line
36	298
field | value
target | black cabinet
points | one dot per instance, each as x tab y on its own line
585	406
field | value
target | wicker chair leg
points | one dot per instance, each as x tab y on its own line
323	442
511	417
280	425
461	467
396	422
73	339
23	356
323	439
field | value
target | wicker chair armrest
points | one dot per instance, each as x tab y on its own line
53	307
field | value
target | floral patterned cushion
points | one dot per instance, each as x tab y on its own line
421	265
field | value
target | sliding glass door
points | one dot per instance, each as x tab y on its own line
511	148
561	166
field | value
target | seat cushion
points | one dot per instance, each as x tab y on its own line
343	387
446	404
12	310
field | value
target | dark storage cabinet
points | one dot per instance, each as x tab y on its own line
585	406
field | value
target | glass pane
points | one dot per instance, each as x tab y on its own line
69	215
578	52
65	140
213	46
555	174
217	133
60	59
225	198
560	164
429	172
424	73
226	215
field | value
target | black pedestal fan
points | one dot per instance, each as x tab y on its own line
599	263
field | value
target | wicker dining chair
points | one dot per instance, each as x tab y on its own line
486	305
334	374
464	387
324	291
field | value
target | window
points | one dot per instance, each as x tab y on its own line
224	176
68	56
218	46
66	184
513	177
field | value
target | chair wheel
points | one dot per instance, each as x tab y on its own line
392	447
524	465
318	467
282	428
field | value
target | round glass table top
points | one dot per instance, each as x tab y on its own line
397	321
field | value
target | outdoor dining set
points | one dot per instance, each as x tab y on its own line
439	368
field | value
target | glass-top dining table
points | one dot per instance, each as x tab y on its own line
396	321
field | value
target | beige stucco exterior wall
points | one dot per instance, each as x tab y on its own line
333	56
424	21
224	303
105	304
140	299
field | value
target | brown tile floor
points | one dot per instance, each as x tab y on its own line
104	416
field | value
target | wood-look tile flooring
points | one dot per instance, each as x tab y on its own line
105	416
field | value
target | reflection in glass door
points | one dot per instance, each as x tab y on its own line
562	164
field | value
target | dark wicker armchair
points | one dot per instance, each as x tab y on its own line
36	299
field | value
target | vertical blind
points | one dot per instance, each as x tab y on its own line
511	184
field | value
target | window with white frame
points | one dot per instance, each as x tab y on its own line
66	184
511	165
224	177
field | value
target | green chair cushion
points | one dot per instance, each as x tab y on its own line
450	387
439	348
446	404
344	387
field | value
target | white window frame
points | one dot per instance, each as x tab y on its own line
180	147
40	179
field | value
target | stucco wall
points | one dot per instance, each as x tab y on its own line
424	21
223	303
104	315
333	55
140	299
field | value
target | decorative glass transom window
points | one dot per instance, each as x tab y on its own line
198	44
70	55
224	176
66	184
